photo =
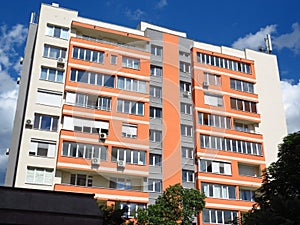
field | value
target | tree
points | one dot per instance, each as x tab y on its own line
177	205
278	199
113	215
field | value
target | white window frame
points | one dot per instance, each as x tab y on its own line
186	108
186	130
155	135
155	111
213	100
212	79
130	84
219	191
131	63
188	176
184	67
129	130
156	71
114	59
34	172
122	154
99	55
58	73
156	159
133	107
156	50
152	185
47	50
155	92
63	32
39	117
187	153
204	163
35	145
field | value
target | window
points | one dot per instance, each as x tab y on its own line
37	175
218	167
129	130
50	74
42	148
241	85
212	79
54	52
241	127
85	125
231	145
88	55
185	87
188	176
46	97
156	50
218	191
130	84
130	107
223	63
86	151
243	105
154	185
186	130
187	153
155	112
184	67
113	59
45	122
249	170
55	31
214	120
186	108
155	136
132	208
155	160
128	155
155	71
92	78
185	54
213	100
81	180
216	216
120	183
155	91
89	101
247	195
130	63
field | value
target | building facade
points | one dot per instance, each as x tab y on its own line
124	113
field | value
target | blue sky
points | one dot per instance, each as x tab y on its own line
230	23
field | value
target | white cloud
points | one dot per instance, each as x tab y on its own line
161	4
291	101
138	14
10	41
289	40
254	41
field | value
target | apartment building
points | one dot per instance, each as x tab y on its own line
124	113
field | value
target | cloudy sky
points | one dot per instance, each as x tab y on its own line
230	23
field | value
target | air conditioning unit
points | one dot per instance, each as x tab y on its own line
121	163
186	94
205	85
95	161
61	60
103	136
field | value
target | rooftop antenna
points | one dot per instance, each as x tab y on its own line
268	44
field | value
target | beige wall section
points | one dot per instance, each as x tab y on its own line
63	18
273	123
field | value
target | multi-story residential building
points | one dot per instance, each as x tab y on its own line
123	113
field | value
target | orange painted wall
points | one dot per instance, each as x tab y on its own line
171	112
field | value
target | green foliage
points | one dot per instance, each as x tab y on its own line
177	205
112	215
278	199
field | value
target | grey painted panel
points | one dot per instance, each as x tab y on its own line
188	185
21	107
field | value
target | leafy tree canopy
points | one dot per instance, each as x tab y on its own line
278	199
177	205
